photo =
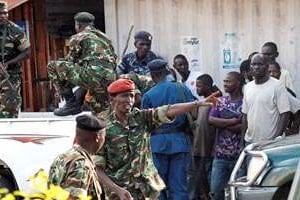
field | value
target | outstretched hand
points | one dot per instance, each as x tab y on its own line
213	98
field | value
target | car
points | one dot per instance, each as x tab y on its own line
31	143
295	192
270	172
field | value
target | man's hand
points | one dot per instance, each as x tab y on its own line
213	98
123	194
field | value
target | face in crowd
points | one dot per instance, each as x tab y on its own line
274	70
181	65
3	16
123	102
259	66
270	52
201	88
142	47
231	83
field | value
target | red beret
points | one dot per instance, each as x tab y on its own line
120	85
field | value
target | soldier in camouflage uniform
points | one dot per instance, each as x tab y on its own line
75	171
126	157
14	48
90	64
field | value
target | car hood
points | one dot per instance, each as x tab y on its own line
281	151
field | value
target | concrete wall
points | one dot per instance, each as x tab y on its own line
254	21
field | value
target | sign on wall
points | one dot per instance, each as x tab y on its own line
190	47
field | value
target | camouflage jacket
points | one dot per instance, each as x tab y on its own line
75	172
93	47
126	157
15	42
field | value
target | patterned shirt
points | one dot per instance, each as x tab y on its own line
126	157
130	63
91	64
75	172
227	142
15	42
93	46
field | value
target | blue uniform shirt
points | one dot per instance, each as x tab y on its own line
131	63
173	140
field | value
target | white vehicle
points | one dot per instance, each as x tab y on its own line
30	144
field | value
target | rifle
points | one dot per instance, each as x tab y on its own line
127	41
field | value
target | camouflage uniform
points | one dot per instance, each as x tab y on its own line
142	82
130	63
90	64
75	172
10	95
126	157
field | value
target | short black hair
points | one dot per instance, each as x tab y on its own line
181	56
276	64
271	45
238	76
245	66
206	79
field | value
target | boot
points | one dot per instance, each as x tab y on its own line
73	104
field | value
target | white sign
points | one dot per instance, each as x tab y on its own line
190	47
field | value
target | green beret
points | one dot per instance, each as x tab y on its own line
3	5
89	123
157	65
143	35
84	17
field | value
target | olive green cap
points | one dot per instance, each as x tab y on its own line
3	5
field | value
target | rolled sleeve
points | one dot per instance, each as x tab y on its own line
23	43
160	115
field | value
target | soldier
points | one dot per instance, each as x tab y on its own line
90	64
75	171
126	157
137	61
14	48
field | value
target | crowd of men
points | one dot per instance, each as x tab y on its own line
156	132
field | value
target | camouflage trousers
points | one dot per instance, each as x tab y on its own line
10	96
93	77
139	188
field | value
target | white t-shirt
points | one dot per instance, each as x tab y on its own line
286	79
263	103
191	83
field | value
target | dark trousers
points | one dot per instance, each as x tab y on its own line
199	178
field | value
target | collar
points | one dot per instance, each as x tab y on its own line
130	123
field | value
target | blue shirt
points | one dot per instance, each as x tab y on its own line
174	140
130	63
